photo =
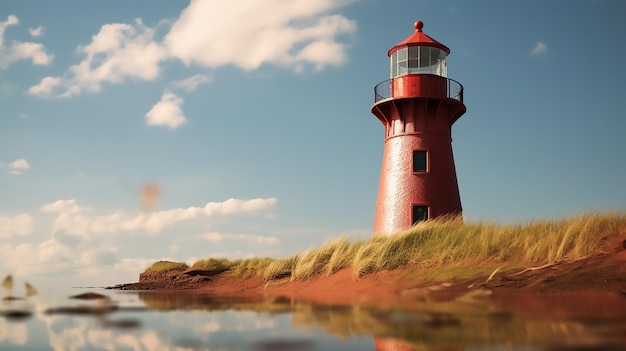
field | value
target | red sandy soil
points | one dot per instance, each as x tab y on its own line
603	273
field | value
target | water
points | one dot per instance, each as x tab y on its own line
187	321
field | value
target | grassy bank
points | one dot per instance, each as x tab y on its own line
464	249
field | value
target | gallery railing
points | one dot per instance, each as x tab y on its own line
383	90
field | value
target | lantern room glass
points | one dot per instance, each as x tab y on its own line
418	60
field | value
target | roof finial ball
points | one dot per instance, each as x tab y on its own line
418	25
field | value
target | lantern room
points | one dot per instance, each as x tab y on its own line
417	66
418	60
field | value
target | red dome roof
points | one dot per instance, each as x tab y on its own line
418	39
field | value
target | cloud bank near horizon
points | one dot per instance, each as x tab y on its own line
86	242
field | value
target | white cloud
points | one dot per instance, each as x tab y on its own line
21	260
191	83
166	112
18	225
54	251
211	327
215	33
18	166
64	206
86	245
104	255
11	21
26	50
45	87
67	337
36	32
540	49
322	53
13	333
88	334
160	220
210	33
76	220
88	261
135	265
119	51
251	239
21	50
52	256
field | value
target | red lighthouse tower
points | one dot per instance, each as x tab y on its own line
417	106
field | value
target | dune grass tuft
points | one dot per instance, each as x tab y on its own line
462	247
331	257
213	264
166	266
250	267
280	268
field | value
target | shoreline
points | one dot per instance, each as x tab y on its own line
602	273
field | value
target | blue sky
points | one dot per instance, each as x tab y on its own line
255	124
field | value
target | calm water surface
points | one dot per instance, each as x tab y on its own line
152	321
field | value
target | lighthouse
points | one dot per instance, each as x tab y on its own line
417	107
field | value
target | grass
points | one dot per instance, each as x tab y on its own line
280	268
464	249
166	266
331	257
250	267
213	264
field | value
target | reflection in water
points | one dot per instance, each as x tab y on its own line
13	333
187	321
468	323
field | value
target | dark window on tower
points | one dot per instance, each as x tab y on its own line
419	161
420	213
